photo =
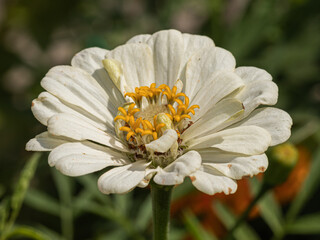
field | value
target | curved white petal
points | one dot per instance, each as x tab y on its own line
276	121
77	87
45	142
79	158
251	74
167	47
182	167
203	65
47	105
211	181
164	143
142	38
193	43
90	60
137	63
70	126
149	174
250	140
258	93
122	179
234	165
220	86
222	112
259	89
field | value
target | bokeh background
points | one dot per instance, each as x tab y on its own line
282	37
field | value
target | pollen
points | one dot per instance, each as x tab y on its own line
141	121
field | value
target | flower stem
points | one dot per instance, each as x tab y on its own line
161	197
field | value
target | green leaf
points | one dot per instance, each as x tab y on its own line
4	213
50	233
195	228
42	202
310	185
308	224
2	190
21	188
115	235
123	202
308	129
27	232
270	209
144	215
90	184
182	190
84	198
271	213
177	234
244	231
63	184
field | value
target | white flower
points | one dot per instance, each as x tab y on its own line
168	106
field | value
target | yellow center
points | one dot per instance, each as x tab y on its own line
146	125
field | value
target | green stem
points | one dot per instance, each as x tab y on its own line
161	197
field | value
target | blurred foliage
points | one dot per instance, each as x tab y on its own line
282	37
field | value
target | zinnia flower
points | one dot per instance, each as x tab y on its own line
162	106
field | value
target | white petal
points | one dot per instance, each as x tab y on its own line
182	167
47	105
222	112
193	43
250	74
79	158
164	143
203	64
137	62
90	60
221	85
44	142
277	122
77	87
122	179
233	165
149	174
249	140
142	38
167	49
70	126
259	89
210	181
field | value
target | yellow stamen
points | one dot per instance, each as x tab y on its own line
139	130
131	120
171	118
148	124
155	135
178	101
171	109
129	135
147	132
126	129
121	109
135	111
119	117
131	107
185	116
167	118
159	126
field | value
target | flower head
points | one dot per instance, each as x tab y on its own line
162	106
